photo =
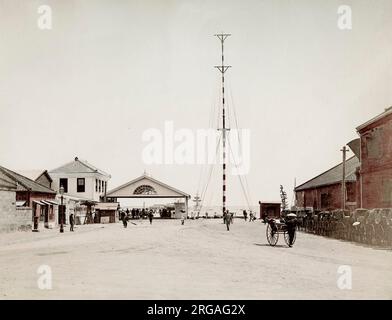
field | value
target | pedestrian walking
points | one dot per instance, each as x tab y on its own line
291	223
245	215
125	221
71	222
150	216
182	217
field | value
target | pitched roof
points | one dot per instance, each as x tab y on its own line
24	183
6	182
112	193
34	174
333	175
78	166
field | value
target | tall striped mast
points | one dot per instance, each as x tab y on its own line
222	68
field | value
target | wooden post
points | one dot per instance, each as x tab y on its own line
344	150
186	206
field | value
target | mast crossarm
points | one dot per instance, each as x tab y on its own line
222	69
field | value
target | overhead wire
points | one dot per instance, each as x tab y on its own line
247	189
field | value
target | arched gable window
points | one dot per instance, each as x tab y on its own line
144	189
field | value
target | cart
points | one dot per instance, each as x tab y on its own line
275	227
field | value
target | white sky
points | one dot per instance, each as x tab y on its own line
108	70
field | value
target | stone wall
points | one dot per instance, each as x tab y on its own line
12	219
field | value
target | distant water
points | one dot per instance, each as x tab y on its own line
218	209
211	209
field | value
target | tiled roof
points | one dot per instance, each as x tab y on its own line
78	166
24	183
333	175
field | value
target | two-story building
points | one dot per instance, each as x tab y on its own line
83	185
375	173
368	173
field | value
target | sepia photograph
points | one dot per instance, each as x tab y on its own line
193	150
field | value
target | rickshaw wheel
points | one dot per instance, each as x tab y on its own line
272	236
287	238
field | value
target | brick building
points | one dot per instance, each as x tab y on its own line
375	173
368	173
31	194
8	204
324	192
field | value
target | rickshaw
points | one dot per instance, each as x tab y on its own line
281	226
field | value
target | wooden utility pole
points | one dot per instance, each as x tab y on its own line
344	150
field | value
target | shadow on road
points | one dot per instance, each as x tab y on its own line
267	245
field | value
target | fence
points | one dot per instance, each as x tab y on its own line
372	227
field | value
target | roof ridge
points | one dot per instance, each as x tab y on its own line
387	111
150	178
166	185
68	163
28	173
7	172
45	171
323	173
84	163
7	182
91	166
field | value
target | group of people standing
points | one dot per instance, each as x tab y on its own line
126	215
251	216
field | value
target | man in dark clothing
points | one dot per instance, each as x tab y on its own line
71	222
291	223
183	217
125	221
245	215
150	216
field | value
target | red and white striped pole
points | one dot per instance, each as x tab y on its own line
222	37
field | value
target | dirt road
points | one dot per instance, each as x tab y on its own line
199	260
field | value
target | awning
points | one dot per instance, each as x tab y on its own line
88	203
20	203
53	202
50	203
106	206
41	203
